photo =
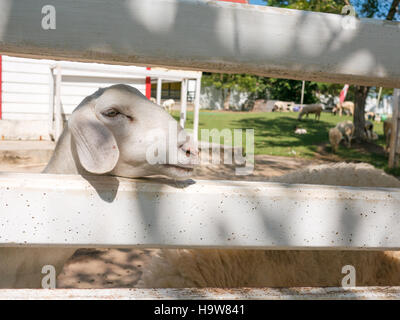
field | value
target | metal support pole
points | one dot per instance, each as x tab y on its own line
379	97
184	84
302	92
196	111
51	104
57	115
395	135
159	88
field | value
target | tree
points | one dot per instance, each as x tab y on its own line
260	87
327	6
290	90
366	8
370	9
254	85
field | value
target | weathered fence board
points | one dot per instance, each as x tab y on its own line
354	293
68	210
394	153
208	36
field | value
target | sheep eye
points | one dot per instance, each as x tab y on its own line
111	113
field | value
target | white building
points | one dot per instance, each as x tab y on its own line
37	95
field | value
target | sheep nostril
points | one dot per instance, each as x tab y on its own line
188	153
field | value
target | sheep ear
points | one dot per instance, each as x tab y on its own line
95	144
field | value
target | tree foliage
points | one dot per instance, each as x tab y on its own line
328	6
290	90
239	82
262	87
378	9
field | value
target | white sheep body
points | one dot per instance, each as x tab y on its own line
168	105
346	128
346	105
387	131
187	268
274	268
282	106
311	108
335	136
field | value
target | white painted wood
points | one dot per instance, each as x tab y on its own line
58	121
50	96
298	293
394	153
31	62
159	91
33	98
196	116
24	107
209	36
22	78
66	210
184	88
25	116
28	87
104	70
27	84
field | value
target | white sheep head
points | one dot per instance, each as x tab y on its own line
116	129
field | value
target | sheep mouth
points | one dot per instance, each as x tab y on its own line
185	169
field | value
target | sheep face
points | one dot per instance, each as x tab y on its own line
119	131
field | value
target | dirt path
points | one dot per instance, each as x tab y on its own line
265	167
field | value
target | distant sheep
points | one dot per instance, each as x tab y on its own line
370	115
282	106
335	136
374	136
154	100
368	129
168	105
311	108
387	131
348	106
300	131
346	128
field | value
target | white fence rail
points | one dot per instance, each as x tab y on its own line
209	36
53	210
358	293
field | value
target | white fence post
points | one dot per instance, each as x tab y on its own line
58	116
196	111
159	91
394	153
51	103
184	87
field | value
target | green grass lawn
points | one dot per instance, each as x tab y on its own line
274	134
